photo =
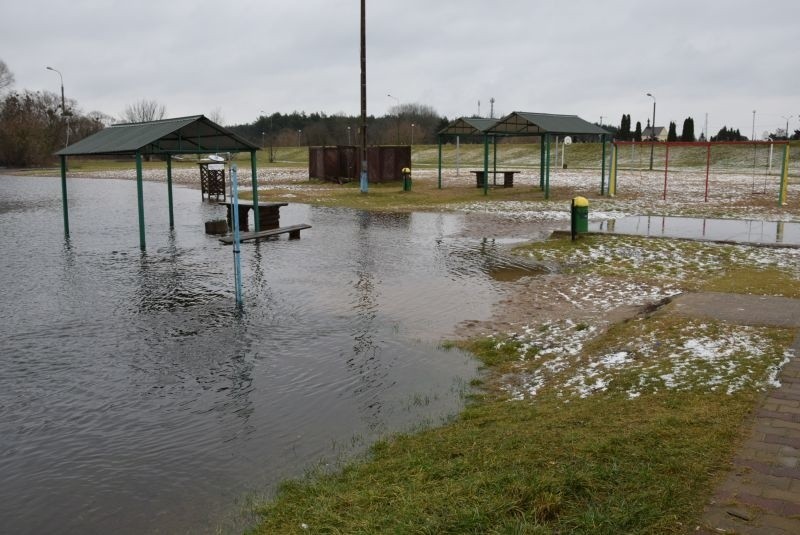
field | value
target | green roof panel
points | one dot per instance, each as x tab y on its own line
183	135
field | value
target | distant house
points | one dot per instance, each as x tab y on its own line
660	133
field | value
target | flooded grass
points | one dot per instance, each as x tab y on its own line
580	426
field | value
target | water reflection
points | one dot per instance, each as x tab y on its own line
728	230
136	398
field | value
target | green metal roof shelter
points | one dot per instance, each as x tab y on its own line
184	135
542	125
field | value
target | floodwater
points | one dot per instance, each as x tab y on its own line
135	398
730	230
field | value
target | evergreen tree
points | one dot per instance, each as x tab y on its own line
726	134
637	135
672	135
625	128
687	134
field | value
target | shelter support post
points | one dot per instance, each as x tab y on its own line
64	195
169	191
494	159
547	166
439	138
485	164
541	163
784	176
254	180
603	165
140	199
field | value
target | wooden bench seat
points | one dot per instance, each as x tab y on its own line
293	231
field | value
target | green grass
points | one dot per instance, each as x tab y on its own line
639	455
391	197
602	464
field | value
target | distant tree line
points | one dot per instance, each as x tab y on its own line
403	124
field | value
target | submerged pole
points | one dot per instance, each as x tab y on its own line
140	199
169	191
64	194
254	172
237	262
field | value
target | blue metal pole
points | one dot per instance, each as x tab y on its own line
237	262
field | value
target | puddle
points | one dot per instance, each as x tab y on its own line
514	273
729	230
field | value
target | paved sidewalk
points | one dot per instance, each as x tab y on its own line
761	494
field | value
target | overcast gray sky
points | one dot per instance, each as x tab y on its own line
589	58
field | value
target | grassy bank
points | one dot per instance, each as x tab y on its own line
522	156
576	429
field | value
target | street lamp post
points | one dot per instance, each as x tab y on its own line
412	133
398	116
652	130
348	136
298	137
64	112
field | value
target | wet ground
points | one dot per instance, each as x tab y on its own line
136	398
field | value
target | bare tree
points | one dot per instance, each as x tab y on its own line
216	116
144	110
6	76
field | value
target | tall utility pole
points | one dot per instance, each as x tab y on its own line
652	130
364	176
491	108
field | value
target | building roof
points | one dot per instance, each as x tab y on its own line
465	126
183	135
528	123
659	131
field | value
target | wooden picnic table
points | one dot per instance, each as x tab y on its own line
269	216
508	177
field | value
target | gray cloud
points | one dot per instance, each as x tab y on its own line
590	58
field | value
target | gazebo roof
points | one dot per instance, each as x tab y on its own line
527	123
182	135
465	126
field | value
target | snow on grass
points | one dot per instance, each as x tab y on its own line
672	261
699	356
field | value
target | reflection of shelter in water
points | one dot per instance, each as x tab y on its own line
212	180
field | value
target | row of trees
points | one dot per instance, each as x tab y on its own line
405	124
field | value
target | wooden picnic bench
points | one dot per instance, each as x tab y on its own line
508	177
269	216
293	231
